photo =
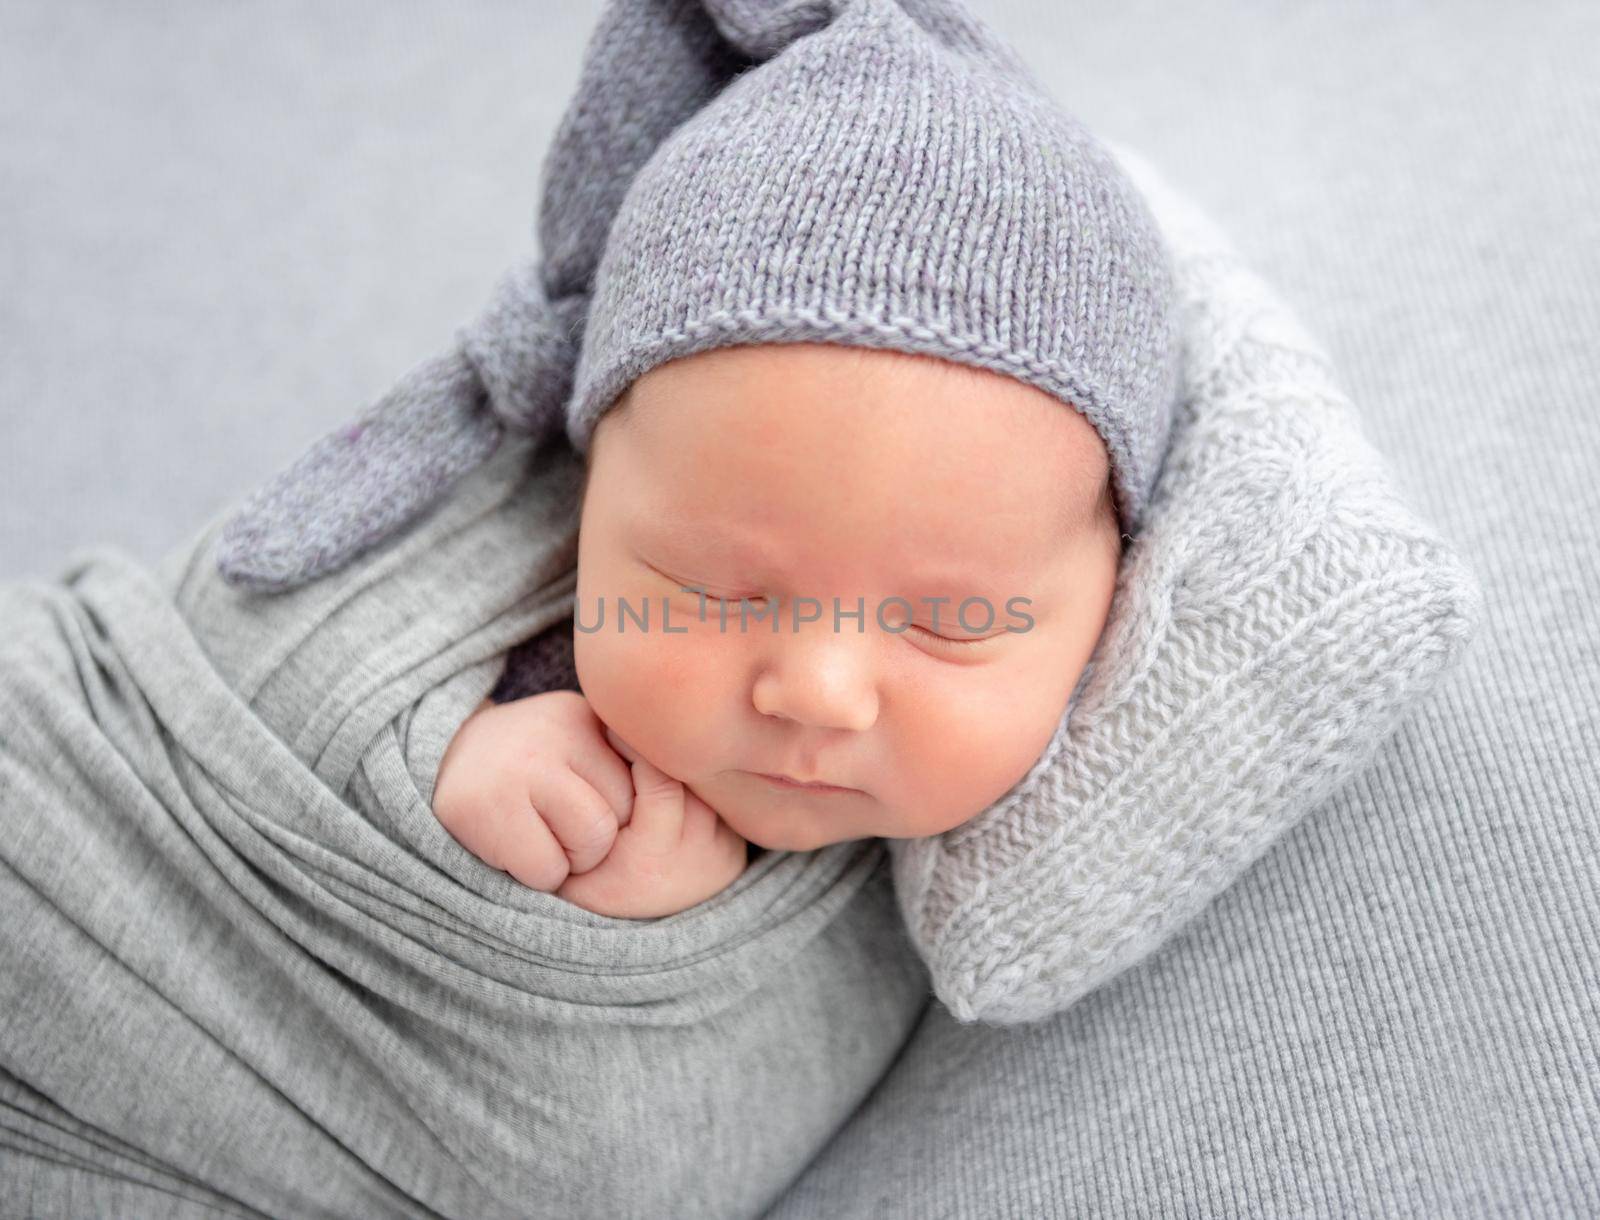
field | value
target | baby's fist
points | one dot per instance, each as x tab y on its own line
531	787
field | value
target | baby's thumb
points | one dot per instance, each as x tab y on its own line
656	824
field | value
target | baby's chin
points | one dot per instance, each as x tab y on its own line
780	824
779	821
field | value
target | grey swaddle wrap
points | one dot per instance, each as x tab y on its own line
245	969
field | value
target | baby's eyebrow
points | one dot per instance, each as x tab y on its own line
672	530
934	580
927	577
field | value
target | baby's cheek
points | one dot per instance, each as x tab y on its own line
608	671
653	689
961	752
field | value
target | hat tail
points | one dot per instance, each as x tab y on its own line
361	483
510	368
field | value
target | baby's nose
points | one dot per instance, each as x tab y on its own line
818	677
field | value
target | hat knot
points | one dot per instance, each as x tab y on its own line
524	349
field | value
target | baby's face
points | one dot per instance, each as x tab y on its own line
784	472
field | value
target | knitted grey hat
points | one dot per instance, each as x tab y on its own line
882	173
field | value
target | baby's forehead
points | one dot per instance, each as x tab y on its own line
858	390
912	450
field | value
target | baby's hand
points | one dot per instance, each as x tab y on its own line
532	787
672	853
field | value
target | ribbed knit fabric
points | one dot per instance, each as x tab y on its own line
245	970
871	173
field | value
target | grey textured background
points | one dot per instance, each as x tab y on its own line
225	230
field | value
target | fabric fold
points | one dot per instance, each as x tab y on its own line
240	945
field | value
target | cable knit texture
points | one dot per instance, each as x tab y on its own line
873	173
1279	615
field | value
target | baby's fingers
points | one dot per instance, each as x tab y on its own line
583	822
518	841
608	775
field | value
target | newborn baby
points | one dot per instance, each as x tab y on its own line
884	347
925	554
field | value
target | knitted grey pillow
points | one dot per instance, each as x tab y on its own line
1279	613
